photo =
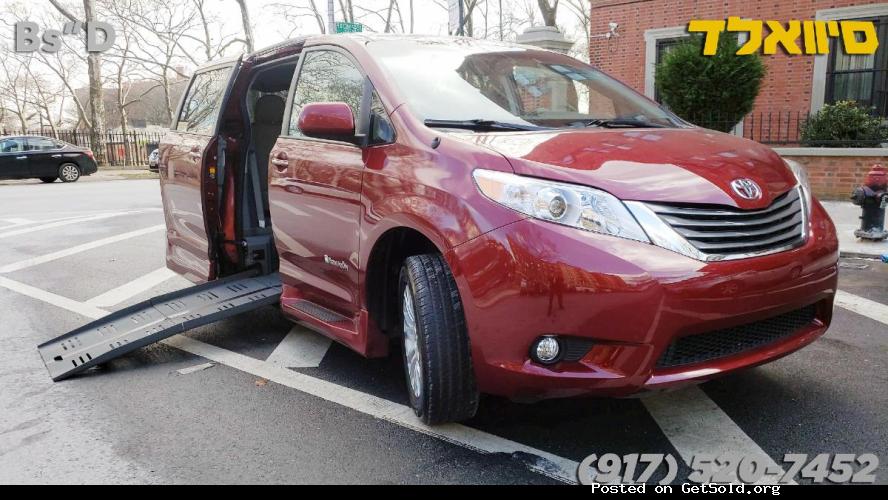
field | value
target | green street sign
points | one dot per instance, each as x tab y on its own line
349	27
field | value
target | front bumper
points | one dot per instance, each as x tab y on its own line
632	300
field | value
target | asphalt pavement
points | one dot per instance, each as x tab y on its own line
256	399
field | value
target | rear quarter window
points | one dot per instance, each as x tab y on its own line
202	103
42	144
12	145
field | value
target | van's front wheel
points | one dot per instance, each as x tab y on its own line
437	360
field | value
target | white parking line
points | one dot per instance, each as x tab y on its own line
16	222
42	259
540	461
125	292
696	426
53	299
301	348
550	465
865	307
692	422
67	221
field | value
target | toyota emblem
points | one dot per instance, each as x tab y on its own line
746	189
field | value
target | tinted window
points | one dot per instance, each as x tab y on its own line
204	99
471	79
42	144
326	76
381	129
12	145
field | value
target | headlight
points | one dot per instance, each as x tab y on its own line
566	204
801	176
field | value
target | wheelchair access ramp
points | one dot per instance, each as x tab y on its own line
156	319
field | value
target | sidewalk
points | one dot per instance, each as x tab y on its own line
117	174
846	217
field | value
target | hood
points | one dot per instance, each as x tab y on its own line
689	165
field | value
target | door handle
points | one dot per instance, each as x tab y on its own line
21	157
281	162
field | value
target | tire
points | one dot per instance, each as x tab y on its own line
48	180
69	172
435	342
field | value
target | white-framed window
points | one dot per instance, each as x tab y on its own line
657	43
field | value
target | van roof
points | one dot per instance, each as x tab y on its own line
363	38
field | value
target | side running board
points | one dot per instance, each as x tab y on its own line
156	319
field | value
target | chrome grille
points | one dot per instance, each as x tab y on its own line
730	232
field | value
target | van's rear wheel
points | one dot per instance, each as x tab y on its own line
69	172
437	360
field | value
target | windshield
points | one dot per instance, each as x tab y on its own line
446	80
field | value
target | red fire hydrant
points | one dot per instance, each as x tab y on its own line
872	197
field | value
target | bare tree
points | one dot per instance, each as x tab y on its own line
94	71
245	22
30	94
16	90
383	15
213	42
348	10
160	29
582	10
467	25
123	86
292	13
549	10
44	97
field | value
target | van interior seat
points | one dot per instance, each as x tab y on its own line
267	119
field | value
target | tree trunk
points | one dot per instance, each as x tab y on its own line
348	10
501	27
123	130
96	99
167	99
245	20
388	17
208	40
549	11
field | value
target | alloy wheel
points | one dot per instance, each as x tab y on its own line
411	345
70	172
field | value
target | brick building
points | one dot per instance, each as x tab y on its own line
794	85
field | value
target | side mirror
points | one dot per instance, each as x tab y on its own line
332	120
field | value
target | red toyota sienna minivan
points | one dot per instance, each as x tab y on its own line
513	220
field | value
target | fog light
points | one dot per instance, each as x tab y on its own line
546	350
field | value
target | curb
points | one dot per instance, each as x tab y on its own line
860	255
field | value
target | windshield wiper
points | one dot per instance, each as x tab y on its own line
618	123
480	124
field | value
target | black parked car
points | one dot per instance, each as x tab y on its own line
36	157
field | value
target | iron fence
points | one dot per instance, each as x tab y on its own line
121	149
778	128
